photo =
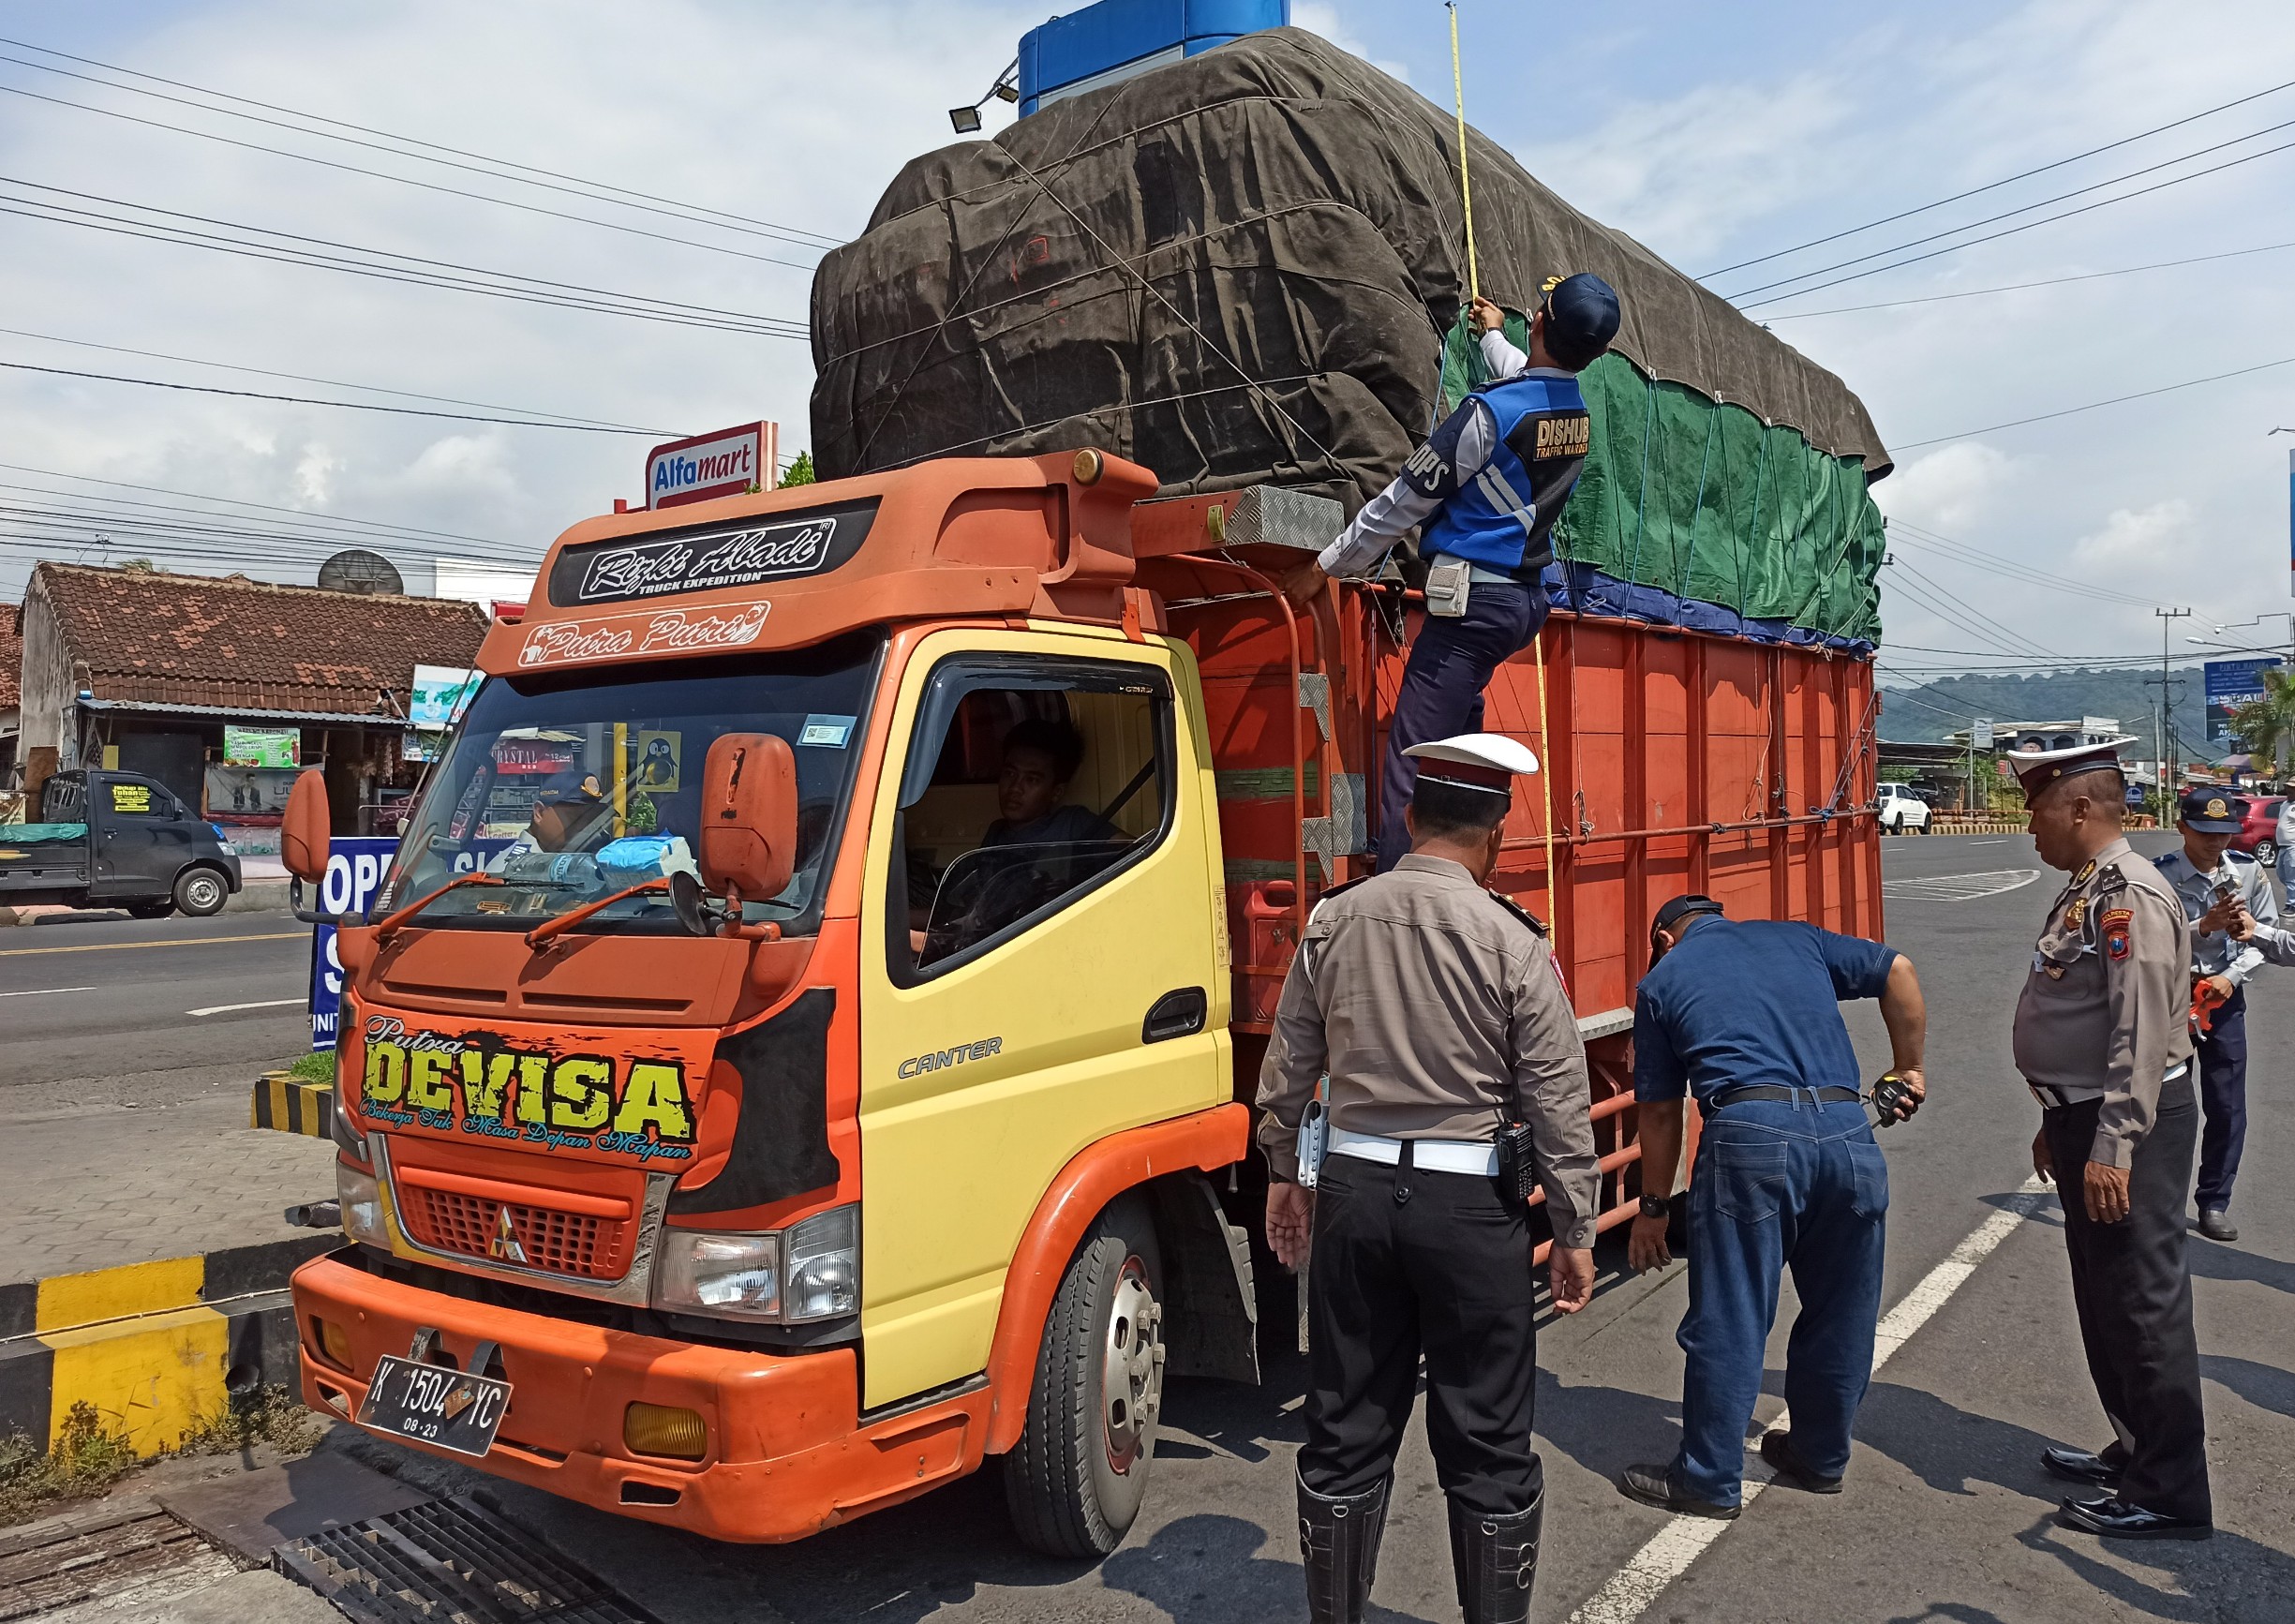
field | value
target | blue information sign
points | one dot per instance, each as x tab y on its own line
355	867
2231	683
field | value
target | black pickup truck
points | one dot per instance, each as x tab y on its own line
116	840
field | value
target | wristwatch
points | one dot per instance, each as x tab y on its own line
1657	1207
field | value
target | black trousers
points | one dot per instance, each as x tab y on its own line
2132	1290
2222	1063
1407	1263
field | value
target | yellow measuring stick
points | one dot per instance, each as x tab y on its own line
1466	191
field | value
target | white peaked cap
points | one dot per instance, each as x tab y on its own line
1484	761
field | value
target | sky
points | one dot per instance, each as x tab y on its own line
1716	135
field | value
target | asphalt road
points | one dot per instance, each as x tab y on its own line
105	1000
1947	1513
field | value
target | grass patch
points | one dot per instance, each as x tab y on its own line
89	1457
312	1067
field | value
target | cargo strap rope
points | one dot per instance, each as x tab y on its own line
1466	191
1474	290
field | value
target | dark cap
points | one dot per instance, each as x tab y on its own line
2211	813
2035	770
1581	319
1670	914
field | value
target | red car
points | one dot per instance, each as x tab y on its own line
2258	836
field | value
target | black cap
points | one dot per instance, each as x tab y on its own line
2211	813
1581	319
1670	914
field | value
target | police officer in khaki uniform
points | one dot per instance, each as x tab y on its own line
2102	1036
1434	1006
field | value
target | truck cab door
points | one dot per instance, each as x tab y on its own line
1039	962
126	815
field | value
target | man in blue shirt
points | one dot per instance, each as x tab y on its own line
1483	493
1746	1018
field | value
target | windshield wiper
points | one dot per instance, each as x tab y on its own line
573	916
389	925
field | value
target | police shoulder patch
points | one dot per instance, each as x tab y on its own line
2115	923
1519	911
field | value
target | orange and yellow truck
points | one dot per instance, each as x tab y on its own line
836	1081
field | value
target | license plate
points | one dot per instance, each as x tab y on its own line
429	1404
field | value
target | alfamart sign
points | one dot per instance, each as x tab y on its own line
725	463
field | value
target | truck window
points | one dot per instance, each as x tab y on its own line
567	787
1029	782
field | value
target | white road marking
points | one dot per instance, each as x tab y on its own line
2001	842
44	992
1958	888
1681	1542
227	1008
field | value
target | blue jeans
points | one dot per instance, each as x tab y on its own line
1780	1182
1441	694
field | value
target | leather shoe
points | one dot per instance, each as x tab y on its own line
2216	1225
2115	1519
2076	1465
1657	1485
1777	1448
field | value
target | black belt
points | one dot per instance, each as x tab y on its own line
1829	1095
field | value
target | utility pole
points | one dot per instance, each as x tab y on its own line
2168	618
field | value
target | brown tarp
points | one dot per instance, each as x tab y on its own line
1111	271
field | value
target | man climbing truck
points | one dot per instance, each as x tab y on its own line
794	1131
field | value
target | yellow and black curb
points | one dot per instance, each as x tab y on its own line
153	1347
292	1105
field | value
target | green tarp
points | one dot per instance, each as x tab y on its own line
1699	501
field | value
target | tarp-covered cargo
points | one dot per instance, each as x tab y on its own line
1120	269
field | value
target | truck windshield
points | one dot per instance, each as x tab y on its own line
567	787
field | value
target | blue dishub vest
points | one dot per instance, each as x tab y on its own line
1502	517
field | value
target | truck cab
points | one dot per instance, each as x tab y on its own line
116	840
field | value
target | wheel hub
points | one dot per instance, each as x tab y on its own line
1131	1366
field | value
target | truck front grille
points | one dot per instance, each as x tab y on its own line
554	1242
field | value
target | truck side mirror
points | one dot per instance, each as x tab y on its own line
303	832
748	816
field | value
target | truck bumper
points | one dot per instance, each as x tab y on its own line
786	1455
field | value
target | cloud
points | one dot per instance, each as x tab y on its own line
1950	488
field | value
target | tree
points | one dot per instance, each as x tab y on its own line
800	472
2268	724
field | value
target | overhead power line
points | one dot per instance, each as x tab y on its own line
1904	532
2094	405
413	268
503	169
402	179
2021	287
2011	180
313	400
2011	214
330	382
301	514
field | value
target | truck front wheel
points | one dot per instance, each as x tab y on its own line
1075	1479
199	892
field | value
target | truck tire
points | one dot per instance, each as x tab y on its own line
199	892
1075	1479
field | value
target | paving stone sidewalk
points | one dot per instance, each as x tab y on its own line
91	1176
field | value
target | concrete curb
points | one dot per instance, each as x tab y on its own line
153	1347
290	1105
254	897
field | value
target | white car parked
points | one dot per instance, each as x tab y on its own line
1902	810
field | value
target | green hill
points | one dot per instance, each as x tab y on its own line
1926	713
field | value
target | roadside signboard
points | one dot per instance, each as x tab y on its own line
262	746
722	464
355	867
1982	737
439	695
2231	683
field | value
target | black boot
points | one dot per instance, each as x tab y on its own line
1496	1560
1338	1539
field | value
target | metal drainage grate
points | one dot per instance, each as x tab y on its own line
457	1560
79	1558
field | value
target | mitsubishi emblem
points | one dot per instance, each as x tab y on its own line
505	1242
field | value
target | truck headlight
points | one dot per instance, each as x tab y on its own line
784	1277
362	1199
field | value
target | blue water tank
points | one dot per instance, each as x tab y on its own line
1110	41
